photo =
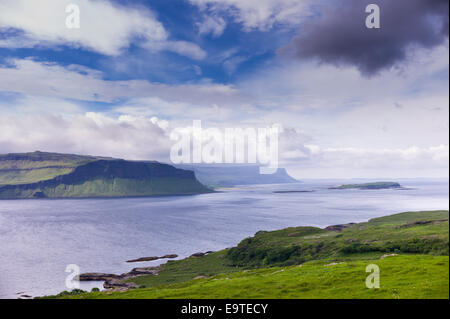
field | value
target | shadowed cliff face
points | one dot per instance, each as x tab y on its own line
110	178
123	169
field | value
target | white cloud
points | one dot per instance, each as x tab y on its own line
340	108
348	162
230	65
384	157
30	77
213	25
128	137
105	27
258	14
135	130
181	47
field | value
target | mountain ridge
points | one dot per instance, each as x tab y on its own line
80	176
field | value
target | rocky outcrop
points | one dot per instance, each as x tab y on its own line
112	281
200	254
144	271
170	256
388	255
423	222
339	228
97	277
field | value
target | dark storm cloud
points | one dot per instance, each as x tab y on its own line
339	36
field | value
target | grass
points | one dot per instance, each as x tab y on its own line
398	233
110	187
176	271
401	277
25	176
16	169
267	265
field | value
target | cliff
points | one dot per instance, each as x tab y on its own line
50	175
231	175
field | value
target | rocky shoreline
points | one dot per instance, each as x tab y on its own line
118	282
113	281
170	256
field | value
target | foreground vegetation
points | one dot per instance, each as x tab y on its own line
308	262
400	277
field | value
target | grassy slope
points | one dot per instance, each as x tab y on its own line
25	176
396	233
114	187
400	277
38	166
266	266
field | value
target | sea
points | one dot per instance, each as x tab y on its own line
41	238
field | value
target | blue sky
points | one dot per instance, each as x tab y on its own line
349	99
249	50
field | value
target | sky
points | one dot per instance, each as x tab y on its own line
350	101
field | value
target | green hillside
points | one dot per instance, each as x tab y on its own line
402	277
38	166
49	175
308	262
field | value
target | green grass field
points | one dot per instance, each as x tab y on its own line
16	169
400	277
268	264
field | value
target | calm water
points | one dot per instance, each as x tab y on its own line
39	238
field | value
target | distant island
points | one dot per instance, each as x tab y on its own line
53	175
232	175
376	185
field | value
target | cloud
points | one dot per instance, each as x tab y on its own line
257	14
128	137
105	27
30	77
297	149
185	48
305	86
230	65
373	163
331	129
213	25
385	157
148	138
339	35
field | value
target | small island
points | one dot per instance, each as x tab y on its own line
376	185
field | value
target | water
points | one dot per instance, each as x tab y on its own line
39	238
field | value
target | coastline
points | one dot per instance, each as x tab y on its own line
124	282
